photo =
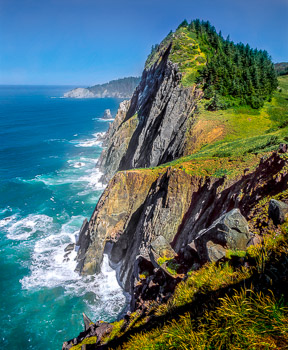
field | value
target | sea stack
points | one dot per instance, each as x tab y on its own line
107	114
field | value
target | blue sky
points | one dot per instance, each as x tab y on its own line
84	42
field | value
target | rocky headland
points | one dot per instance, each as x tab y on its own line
120	88
195	206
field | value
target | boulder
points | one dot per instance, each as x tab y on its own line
230	231
162	254
215	251
277	211
254	240
160	249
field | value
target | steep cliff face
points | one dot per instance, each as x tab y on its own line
153	130
140	205
117	207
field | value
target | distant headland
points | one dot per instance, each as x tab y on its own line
120	88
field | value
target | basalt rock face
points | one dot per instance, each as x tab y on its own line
140	205
152	131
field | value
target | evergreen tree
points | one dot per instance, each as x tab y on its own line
183	24
236	71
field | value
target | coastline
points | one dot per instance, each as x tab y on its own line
56	175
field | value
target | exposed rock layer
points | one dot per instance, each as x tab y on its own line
140	205
153	129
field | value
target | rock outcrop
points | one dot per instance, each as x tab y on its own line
116	211
153	129
94	332
138	206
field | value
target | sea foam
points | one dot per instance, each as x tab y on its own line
23	228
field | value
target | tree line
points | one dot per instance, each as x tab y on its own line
234	73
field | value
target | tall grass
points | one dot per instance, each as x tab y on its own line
247	320
208	278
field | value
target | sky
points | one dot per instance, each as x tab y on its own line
86	42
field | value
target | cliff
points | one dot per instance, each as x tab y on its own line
120	88
139	205
153	128
187	185
166	119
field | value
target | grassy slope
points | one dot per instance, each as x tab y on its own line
246	135
218	139
201	315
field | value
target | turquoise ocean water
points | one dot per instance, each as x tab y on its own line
48	185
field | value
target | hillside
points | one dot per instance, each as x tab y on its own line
281	68
120	88
193	163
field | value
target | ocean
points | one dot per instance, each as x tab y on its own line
49	185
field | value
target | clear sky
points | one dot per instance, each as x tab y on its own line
84	42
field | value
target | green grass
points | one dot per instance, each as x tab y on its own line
210	277
235	253
91	340
243	320
247	320
169	264
188	56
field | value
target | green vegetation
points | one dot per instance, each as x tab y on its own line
169	263
238	73
229	74
247	320
244	319
281	68
235	253
125	86
91	340
209	278
187	54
